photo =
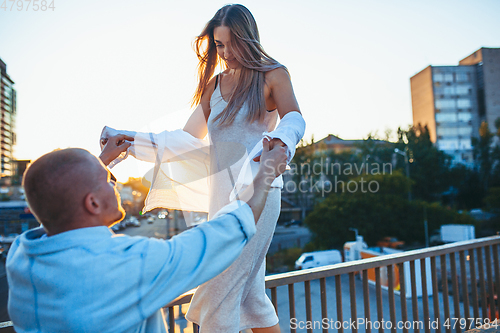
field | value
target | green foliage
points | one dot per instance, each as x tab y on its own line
436	186
483	153
312	246
283	260
376	215
469	193
429	167
492	200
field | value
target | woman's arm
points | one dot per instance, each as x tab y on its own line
281	89
197	123
281	93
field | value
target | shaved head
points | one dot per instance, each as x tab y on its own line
57	183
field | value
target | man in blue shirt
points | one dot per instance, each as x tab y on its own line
75	275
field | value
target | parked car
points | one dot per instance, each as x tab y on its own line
318	258
150	219
133	222
391	242
450	233
118	227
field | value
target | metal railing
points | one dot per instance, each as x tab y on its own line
473	291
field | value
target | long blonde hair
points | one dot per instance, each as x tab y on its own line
247	50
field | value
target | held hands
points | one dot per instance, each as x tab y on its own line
114	146
273	158
274	142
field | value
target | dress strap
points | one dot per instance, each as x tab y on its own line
216	81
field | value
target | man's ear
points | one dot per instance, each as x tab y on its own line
92	204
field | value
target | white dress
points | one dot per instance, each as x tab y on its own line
236	300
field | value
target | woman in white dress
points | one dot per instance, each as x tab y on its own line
237	107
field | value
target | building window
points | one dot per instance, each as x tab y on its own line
438	77
463	77
463	90
465	131
446	117
464	116
445	103
448	144
447	131
449	90
448	77
463	103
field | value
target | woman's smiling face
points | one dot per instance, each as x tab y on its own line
222	37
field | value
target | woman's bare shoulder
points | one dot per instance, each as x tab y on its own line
277	76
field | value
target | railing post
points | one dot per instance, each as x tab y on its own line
489	275
480	265
414	297
366	300
338	292
307	287
435	295
171	320
352	292
324	311
402	295
465	286
378	292
291	304
475	302
497	270
392	306
446	299
456	296
425	294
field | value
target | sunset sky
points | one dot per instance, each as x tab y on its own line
130	64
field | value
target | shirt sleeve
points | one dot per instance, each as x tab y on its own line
173	267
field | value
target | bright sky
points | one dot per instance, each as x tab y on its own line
130	64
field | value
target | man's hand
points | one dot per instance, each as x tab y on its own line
273	159
272	164
273	143
114	146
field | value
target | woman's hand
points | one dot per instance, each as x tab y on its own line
114	146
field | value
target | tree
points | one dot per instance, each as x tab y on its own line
429	167
483	154
376	214
468	193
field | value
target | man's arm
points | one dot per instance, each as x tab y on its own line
199	254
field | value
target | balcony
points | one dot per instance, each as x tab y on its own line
439	289
389	291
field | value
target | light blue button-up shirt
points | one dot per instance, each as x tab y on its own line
91	280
